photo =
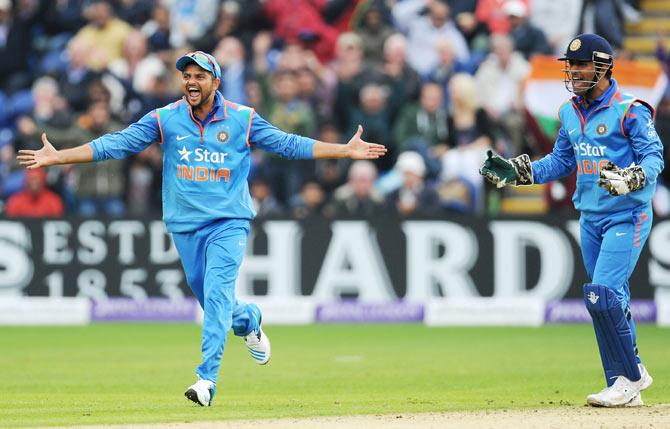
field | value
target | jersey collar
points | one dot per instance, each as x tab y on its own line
219	107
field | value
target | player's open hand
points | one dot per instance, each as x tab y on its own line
44	157
359	149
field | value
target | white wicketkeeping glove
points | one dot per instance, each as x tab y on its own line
620	181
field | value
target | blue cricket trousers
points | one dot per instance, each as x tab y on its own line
211	258
611	245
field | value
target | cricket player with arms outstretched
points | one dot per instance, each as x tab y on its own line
206	142
608	136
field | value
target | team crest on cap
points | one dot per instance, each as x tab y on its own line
601	129
575	44
222	136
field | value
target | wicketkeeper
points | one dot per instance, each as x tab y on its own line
608	136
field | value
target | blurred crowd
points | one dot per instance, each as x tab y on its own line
438	82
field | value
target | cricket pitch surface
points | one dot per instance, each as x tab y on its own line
576	417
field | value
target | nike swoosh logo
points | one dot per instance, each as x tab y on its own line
619	234
571	131
179	138
240	243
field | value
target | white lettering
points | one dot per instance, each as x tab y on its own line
427	270
218	157
56	251
280	267
131	283
15	243
91	284
659	243
126	230
54	283
158	239
207	156
586	149
510	240
572	226
169	283
353	265
93	248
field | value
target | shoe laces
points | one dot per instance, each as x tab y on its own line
622	384
604	390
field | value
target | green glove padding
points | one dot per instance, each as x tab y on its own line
501	172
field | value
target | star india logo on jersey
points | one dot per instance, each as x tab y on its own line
587	149
585	162
202	173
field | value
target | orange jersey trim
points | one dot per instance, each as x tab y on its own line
251	116
160	128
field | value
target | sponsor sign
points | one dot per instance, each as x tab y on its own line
292	311
44	311
663	303
150	309
484	312
358	312
574	311
376	262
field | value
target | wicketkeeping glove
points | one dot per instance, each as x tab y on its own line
620	181
500	171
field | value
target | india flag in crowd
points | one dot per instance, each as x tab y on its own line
545	90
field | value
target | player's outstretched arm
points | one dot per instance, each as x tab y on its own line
48	155
356	148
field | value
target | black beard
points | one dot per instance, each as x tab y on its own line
195	106
203	100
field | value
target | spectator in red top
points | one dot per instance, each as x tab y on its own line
492	13
302	21
35	200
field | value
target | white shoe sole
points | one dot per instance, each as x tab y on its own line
635	402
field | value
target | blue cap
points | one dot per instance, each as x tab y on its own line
588	47
202	59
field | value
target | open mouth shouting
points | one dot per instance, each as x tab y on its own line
194	95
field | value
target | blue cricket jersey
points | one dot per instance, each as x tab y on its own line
205	164
617	127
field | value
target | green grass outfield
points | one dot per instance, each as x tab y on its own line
118	373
